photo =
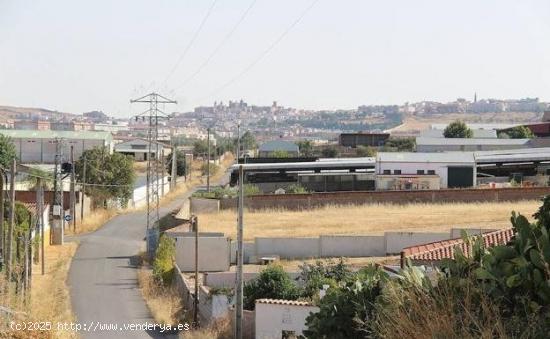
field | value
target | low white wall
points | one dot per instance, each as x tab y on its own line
457	232
249	252
352	246
228	279
396	241
203	205
213	253
139	195
288	248
272	319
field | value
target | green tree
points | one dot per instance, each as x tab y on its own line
180	163
366	151
7	151
112	175
394	144
518	132
163	265
457	129
330	152
306	148
248	141
35	175
274	283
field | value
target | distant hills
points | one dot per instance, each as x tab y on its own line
12	112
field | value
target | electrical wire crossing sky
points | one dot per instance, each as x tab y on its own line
78	56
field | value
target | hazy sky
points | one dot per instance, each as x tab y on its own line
80	55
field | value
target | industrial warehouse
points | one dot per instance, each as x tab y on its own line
403	171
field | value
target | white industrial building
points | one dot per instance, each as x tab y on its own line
39	147
427	144
141	150
454	169
476	133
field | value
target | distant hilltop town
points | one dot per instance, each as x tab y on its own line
276	121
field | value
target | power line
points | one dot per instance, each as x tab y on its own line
218	47
265	52
195	35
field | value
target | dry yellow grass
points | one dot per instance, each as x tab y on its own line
93	221
196	179
49	299
367	219
164	302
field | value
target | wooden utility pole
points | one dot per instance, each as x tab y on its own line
72	197
82	187
239	287
208	164
9	263
195	223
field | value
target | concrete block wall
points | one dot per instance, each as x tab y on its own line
288	248
352	246
203	205
211	307
213	253
396	241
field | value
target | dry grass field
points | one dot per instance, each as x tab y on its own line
368	219
49	300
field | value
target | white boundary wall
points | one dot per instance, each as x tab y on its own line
139	194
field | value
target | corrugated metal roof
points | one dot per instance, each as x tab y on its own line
283	302
525	154
470	141
477	133
443	157
88	135
278	145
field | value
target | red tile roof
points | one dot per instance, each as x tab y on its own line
283	302
445	249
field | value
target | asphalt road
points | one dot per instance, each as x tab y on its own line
103	276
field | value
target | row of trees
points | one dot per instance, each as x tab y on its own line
459	129
498	292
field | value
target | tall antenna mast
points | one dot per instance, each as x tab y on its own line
154	169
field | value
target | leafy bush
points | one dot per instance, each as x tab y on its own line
365	151
274	283
163	265
314	276
348	311
296	189
227	192
458	129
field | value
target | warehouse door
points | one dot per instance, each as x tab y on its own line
460	177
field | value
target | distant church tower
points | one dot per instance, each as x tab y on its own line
475	97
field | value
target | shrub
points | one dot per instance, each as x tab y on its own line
314	276
163	264
365	151
348	311
273	282
213	169
296	189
